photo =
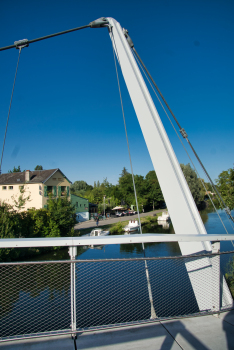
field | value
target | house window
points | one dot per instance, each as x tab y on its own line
4	187
77	204
49	190
80	205
10	187
63	190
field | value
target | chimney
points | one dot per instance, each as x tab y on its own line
27	175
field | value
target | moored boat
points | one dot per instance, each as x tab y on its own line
132	226
164	217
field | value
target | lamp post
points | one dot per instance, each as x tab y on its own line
104	205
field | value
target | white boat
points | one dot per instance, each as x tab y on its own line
164	224
133	225
99	232
164	217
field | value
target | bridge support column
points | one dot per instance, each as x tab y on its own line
73	252
216	278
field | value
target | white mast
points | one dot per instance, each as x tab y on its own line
183	211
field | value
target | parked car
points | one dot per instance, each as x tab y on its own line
132	212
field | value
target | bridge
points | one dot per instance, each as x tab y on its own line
107	303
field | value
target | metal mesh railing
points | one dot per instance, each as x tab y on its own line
36	298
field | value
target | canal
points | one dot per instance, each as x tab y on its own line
209	217
37	298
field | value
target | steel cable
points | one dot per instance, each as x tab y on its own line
9	111
45	37
153	313
184	135
183	146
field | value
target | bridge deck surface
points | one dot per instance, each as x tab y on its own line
206	332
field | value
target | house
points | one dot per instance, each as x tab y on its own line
38	185
81	206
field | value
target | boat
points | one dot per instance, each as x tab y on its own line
133	225
164	224
98	232
164	217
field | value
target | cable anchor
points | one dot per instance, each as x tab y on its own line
129	40
183	133
100	22
20	44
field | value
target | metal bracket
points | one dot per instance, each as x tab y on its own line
72	252
129	40
20	44
100	22
183	133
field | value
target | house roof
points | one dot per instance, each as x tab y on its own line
36	176
75	195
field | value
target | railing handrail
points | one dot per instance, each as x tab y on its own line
114	239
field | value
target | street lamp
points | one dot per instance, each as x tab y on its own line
104	205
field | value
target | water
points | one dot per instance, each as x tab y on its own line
29	289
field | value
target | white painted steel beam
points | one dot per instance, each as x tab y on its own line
179	200
104	240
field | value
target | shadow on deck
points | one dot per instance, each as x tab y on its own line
206	332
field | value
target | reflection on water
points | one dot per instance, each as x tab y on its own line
48	286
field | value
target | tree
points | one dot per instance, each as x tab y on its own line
15	170
126	189
61	217
192	181
39	167
78	186
154	193
124	172
225	183
21	199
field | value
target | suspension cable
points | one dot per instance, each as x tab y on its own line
9	111
125	127
202	182
183	133
153	313
44	37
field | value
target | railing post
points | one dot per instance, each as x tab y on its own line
73	252
216	276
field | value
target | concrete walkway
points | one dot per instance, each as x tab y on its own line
92	223
196	333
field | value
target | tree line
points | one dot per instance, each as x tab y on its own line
148	190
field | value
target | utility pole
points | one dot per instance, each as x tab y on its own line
104	205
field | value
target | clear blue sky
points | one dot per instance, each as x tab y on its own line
66	111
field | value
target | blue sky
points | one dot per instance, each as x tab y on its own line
66	110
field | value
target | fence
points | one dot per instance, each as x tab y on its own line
59	297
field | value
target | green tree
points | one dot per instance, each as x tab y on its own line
15	170
192	181
225	183
124	172
61	217
154	193
78	186
21	199
39	167
126	189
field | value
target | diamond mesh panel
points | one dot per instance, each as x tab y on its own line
35	298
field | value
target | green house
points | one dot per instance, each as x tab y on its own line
81	206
